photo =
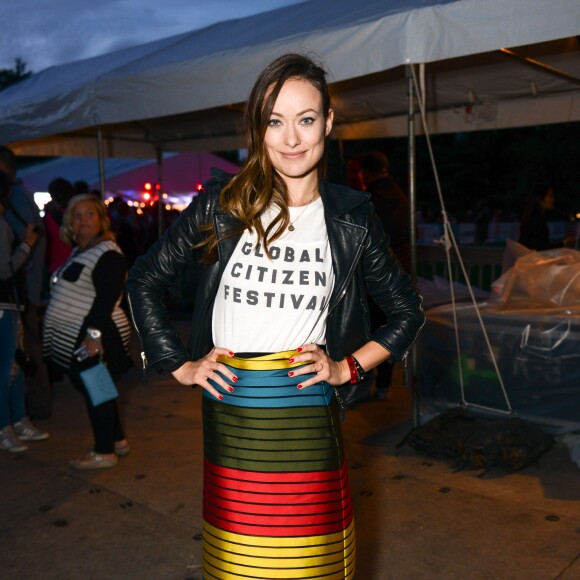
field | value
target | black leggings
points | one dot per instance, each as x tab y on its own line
105	419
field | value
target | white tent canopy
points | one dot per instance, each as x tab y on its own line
185	92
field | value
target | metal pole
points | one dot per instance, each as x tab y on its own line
541	66
412	188
101	160
160	191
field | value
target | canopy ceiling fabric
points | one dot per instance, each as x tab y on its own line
185	92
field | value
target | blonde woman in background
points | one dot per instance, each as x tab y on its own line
84	311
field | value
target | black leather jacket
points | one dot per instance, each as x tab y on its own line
361	266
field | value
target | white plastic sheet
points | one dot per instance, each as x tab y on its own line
547	281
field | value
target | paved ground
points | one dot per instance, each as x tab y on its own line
416	519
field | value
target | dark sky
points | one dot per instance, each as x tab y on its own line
51	32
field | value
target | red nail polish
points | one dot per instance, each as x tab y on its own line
290	374
235	379
299	387
231	389
299	349
290	360
221	397
231	353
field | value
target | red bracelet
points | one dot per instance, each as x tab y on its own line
352	368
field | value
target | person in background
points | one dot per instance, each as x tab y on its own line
392	206
23	211
15	426
126	228
61	191
391	203
280	336
534	230
354	177
84	311
81	186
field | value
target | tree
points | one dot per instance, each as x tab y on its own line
10	76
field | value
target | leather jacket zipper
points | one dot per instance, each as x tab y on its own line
143	355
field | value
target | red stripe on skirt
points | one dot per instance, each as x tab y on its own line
274	477
299	504
283	527
278	514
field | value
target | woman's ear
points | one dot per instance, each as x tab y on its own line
329	121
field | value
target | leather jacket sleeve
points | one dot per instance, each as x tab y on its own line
393	291
153	275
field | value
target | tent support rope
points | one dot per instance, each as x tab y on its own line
449	242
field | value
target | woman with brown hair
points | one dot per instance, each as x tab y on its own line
280	336
83	315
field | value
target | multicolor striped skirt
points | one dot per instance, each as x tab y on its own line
276	497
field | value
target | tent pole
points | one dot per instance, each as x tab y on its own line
101	160
412	186
541	66
159	153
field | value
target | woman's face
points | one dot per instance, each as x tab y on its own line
296	130
85	222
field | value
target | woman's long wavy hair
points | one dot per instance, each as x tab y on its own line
258	185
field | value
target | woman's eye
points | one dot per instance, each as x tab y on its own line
308	121
274	123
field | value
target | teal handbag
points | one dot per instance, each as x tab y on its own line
99	384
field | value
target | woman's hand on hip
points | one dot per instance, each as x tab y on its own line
328	370
199	372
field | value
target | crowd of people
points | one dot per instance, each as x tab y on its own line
73	248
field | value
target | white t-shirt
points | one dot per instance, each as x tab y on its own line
265	305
